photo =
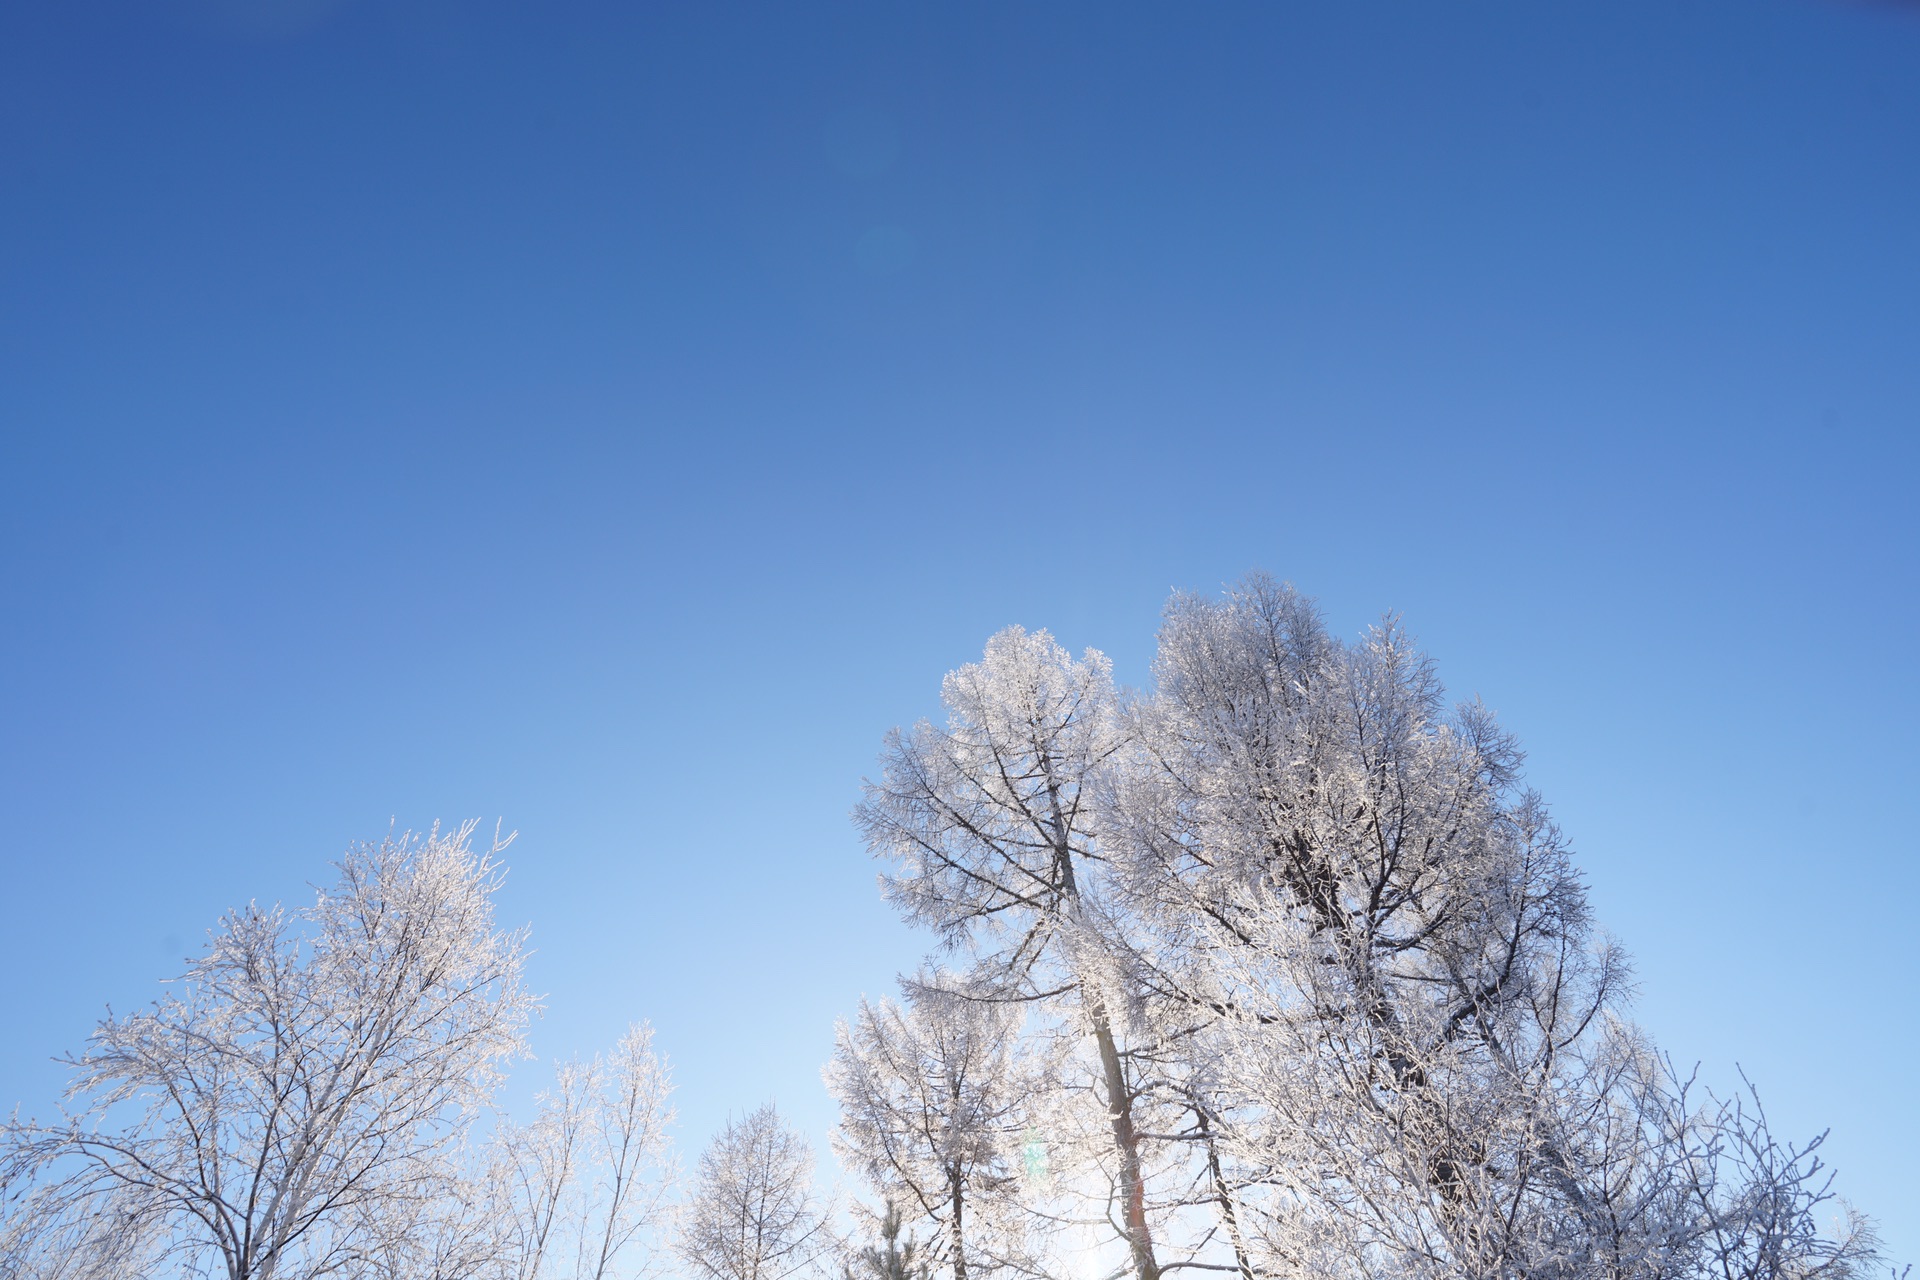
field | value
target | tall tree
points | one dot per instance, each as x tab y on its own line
1377	909
991	827
633	1173
536	1174
1419	1056
301	1102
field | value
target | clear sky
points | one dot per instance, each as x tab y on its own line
614	417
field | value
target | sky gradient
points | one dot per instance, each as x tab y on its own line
613	418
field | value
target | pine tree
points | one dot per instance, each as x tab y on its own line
889	1260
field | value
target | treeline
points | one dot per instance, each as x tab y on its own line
1276	969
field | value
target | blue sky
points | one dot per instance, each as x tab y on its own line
613	418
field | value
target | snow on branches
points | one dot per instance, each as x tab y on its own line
1332	1000
299	1105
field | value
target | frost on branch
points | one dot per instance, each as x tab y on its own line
936	1097
583	1191
299	1105
751	1213
992	827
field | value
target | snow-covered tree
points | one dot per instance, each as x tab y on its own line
751	1213
50	1235
581	1188
1420	1063
452	1236
934	1109
536	1175
633	1173
991	827
1336	869
299	1106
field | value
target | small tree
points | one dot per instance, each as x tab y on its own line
889	1260
631	1161
752	1213
579	1187
932	1099
298	1107
537	1172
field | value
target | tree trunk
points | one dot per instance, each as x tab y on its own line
958	1224
1223	1196
1126	1141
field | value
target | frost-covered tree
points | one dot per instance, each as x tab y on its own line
536	1175
993	834
581	1188
934	1106
299	1106
751	1213
1419	1061
631	1162
453	1236
47	1235
1344	871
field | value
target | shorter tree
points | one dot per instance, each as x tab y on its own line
889	1260
580	1186
933	1098
752	1214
